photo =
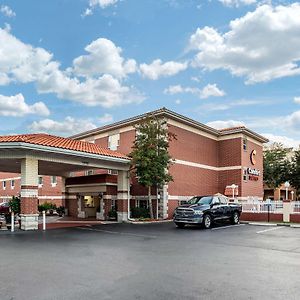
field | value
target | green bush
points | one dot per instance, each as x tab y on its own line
112	214
46	206
140	212
15	205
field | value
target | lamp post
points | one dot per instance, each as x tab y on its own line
286	185
233	186
292	193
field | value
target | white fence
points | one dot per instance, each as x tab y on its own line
295	207
262	206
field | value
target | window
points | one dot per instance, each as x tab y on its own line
89	172
40	180
245	174
53	180
112	172
223	200
114	141
89	202
4	184
215	200
245	144
12	184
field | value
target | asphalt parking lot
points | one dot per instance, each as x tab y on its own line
154	261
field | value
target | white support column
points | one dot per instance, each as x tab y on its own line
81	212
100	214
164	202
122	197
29	194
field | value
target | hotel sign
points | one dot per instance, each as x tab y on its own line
253	173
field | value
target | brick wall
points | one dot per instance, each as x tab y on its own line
193	147
229	152
192	181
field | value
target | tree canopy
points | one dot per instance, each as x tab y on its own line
150	156
276	165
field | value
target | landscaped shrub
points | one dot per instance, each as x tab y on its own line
140	212
112	214
15	205
46	206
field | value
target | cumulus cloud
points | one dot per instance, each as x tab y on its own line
237	3
210	90
15	106
158	69
255	46
20	62
106	118
68	126
104	57
286	141
102	3
7	11
219	124
297	100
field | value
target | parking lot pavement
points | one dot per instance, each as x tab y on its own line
155	261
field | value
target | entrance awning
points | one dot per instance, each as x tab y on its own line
57	155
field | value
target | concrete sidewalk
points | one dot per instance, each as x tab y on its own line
293	225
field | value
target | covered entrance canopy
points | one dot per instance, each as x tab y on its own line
43	154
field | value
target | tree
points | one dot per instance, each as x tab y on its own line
276	165
294	176
150	157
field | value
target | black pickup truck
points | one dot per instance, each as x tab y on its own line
204	210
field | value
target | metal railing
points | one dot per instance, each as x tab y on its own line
256	206
295	207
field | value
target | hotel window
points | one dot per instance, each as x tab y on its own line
40	181
112	172
114	141
4	184
245	174
245	144
12	184
53	180
88	172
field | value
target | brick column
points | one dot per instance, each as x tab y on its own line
122	197
29	194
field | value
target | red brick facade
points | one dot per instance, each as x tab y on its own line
206	161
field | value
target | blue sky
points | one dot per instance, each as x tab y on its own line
71	65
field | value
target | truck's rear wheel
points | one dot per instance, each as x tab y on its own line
207	221
235	219
180	225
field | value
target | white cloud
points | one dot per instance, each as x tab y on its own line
225	124
104	57
68	126
106	118
210	90
23	63
286	141
15	106
237	3
7	11
255	47
102	3
158	69
228	105
297	100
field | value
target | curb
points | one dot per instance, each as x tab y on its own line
149	222
271	224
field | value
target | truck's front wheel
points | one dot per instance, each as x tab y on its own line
235	219
207	221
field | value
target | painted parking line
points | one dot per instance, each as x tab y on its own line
270	229
118	232
229	226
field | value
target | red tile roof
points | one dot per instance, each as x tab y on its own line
61	142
